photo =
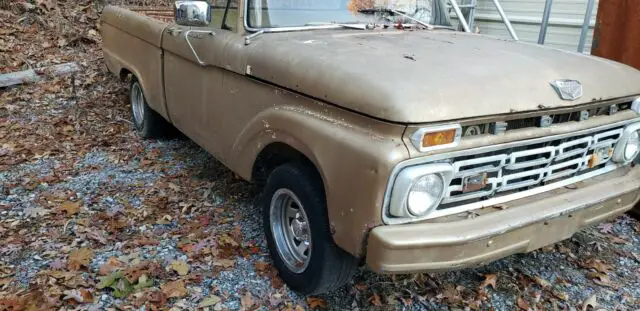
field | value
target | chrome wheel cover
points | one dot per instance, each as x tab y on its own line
137	104
290	230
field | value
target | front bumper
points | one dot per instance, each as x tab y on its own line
526	224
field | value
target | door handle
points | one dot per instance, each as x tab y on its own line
186	37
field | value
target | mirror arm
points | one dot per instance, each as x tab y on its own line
247	39
186	37
224	17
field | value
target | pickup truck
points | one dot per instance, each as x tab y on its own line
380	135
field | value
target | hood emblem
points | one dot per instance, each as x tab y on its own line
568	89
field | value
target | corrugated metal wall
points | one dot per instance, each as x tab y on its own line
565	24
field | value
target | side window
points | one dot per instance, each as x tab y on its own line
224	14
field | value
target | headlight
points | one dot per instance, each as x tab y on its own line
628	146
425	194
418	190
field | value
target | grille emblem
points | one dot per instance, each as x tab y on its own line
474	182
568	89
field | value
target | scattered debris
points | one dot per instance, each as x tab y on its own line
35	75
411	57
92	217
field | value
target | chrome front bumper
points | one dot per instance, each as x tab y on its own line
527	224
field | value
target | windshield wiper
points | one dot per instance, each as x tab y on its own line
396	12
343	25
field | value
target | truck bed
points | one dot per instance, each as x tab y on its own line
162	13
132	44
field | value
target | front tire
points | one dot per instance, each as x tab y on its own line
297	231
147	122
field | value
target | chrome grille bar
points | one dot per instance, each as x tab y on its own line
509	169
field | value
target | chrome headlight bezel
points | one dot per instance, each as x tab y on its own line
635	105
405	179
620	149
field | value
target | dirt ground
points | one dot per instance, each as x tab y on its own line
94	218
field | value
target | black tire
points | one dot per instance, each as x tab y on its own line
329	267
151	124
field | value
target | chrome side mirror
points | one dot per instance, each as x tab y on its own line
193	13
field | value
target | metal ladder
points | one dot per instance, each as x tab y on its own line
468	22
585	25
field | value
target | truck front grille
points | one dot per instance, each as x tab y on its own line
527	166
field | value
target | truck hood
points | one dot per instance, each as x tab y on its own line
428	76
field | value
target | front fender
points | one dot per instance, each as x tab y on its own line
353	153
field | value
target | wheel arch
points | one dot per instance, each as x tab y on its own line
275	154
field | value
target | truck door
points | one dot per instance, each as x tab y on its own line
193	75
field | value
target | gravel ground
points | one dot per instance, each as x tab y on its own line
551	278
83	199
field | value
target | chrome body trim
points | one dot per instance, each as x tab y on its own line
497	162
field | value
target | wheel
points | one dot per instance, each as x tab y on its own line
148	123
297	231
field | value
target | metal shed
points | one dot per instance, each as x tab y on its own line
565	23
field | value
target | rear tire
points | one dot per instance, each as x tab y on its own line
294	219
147	122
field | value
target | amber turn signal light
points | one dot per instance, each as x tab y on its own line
439	138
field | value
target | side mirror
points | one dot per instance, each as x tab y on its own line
193	13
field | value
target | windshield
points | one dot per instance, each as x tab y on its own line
297	13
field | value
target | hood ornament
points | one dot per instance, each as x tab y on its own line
568	89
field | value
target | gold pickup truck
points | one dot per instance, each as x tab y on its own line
381	136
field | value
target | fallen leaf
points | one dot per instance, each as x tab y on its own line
489	280
599	278
605	227
35	211
226	263
616	240
261	266
597	265
246	301
211	300
109	266
106	281
47	4
523	304
541	282
143	282
591	301
57	264
375	300
79	295
560	295
122	288
174	289
71	208
179	266
5	281
80	258
315	302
